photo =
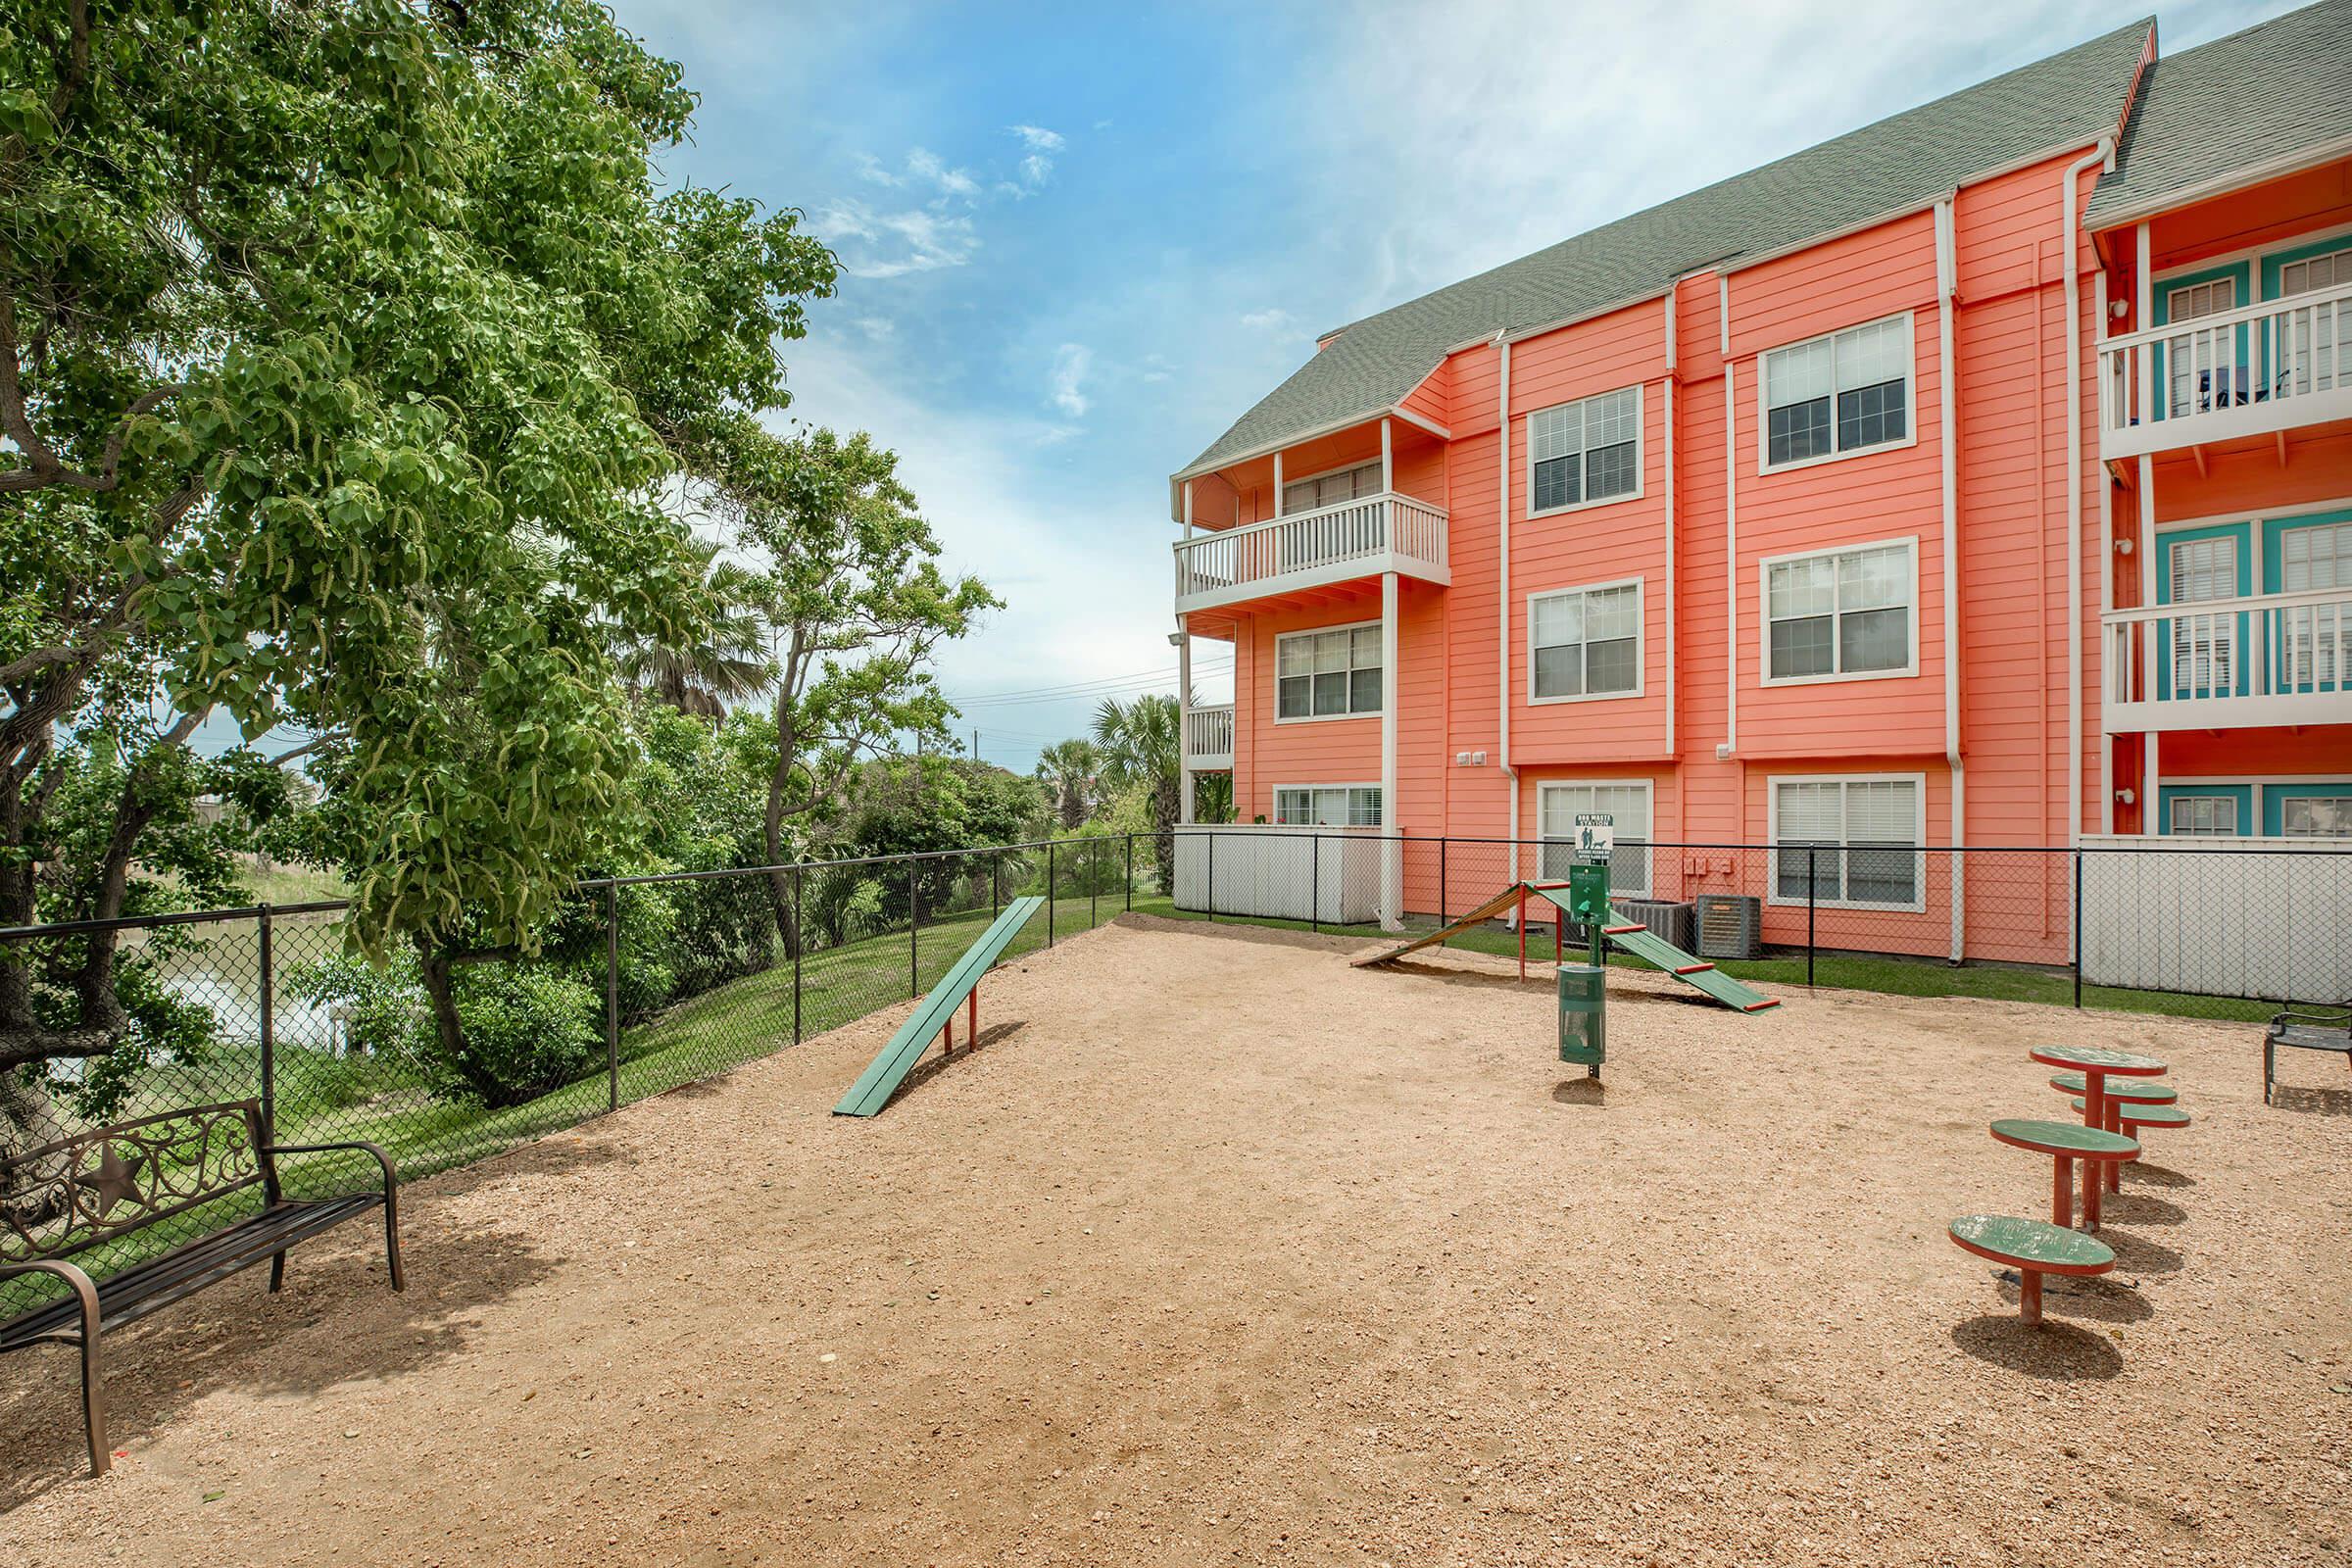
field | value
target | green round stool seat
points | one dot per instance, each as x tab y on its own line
2032	1243
2133	1090
2150	1115
2070	1138
2099	1057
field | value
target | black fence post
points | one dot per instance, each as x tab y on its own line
996	885
915	922
1048	893
1212	879
1441	842
1812	905
2078	923
1094	881
268	1066
1314	883
799	945
611	996
1131	874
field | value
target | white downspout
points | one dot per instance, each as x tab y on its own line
1947	382
2098	311
2068	197
1672	364
1731	530
1502	618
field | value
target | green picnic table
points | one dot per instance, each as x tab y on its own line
2067	1141
2034	1247
2097	1063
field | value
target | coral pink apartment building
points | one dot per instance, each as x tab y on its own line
1982	477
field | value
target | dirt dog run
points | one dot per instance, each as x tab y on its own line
1220	1250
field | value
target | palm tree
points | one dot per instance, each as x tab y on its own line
1067	769
1141	745
729	663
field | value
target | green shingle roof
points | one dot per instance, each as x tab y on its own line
2064	101
2250	100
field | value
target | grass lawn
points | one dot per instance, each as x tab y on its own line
1897	976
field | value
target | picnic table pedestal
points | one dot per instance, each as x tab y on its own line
2095	1063
2067	1143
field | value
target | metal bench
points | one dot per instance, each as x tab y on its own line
98	1187
2322	1029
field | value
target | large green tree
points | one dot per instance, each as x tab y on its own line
856	605
347	351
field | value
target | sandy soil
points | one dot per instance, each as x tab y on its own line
1221	1250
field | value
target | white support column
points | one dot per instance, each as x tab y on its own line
2143	314
1184	723
1278	485
1391	857
1388	458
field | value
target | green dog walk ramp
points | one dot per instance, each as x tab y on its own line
1660	953
889	1068
1631	935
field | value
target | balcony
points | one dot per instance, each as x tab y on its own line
1208	739
1353	539
2256	371
2273	658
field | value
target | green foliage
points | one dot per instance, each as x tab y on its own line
913	805
437	345
527	1028
1069	772
1142	748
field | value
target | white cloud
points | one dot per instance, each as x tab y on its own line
1073	362
1037	165
1270	319
877	328
874	244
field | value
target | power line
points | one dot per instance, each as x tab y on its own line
1123	689
1080	688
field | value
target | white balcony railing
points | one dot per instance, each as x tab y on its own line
1360	538
1208	738
2271	658
2252	371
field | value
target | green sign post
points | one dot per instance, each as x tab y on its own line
1583	991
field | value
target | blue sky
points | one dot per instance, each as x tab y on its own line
1082	239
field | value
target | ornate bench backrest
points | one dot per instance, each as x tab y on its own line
80	1191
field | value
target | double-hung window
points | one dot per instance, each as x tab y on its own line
2317	816
2201	816
1859	837
1584	452
1329	489
2318	638
1327	674
1842	613
1847	392
1327	805
2206	363
1559	805
2315	349
1585	642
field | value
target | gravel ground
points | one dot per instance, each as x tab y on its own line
1222	1250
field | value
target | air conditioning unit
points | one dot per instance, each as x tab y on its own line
1670	921
1730	925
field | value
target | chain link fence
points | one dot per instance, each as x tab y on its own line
647	983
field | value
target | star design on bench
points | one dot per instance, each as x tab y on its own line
115	1179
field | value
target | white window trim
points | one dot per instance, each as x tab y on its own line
1527	478
1764	566
2190	792
1640	642
1772	835
1331	827
1387	695
2261	784
1764	398
1650	792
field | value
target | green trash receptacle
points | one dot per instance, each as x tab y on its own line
1584	1016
